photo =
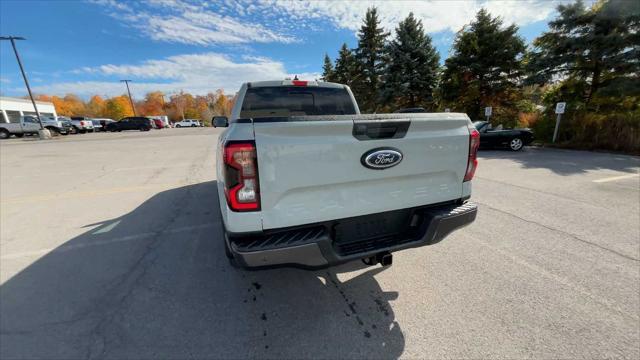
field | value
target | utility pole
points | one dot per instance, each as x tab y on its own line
24	76
130	99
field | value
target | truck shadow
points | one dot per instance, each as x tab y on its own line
156	283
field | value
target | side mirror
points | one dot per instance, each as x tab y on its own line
220	121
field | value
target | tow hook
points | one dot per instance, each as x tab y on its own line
383	258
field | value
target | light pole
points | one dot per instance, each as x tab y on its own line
130	99
24	76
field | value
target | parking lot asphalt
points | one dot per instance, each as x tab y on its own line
111	248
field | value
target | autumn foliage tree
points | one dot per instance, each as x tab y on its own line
117	108
180	106
95	106
153	104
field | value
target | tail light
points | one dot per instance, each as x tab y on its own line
241	176
472	163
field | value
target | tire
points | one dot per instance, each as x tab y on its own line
227	251
228	254
18	135
178	126
4	134
194	125
516	144
74	130
53	131
82	131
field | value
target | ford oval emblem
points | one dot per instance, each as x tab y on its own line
381	158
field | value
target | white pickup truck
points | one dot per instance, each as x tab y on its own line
304	180
187	123
29	125
81	124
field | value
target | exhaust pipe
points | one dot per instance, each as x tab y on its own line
386	259
383	258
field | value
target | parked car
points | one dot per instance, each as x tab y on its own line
497	137
82	124
187	123
29	125
310	182
163	118
103	123
97	126
159	123
131	123
66	124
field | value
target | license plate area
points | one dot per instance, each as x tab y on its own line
371	227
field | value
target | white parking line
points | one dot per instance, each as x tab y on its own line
65	248
614	178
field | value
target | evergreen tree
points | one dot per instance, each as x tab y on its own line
327	69
597	48
411	66
485	67
345	70
369	54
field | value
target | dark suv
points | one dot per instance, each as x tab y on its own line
131	123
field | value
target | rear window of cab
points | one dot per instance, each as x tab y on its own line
285	101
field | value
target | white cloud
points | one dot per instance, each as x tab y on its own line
194	73
189	23
436	15
4	80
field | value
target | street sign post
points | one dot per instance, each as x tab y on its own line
487	112
560	107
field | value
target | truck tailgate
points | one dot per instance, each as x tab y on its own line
311	170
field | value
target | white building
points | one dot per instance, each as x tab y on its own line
12	108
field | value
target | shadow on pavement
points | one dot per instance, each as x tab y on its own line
566	162
156	283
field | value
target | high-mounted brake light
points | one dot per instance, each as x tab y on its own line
299	82
472	163
241	176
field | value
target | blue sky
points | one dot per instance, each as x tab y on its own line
85	47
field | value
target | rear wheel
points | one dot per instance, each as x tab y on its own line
53	131
227	252
516	144
194	125
4	134
178	125
74	130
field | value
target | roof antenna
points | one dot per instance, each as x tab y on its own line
295	77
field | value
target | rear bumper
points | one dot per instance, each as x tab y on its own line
325	244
